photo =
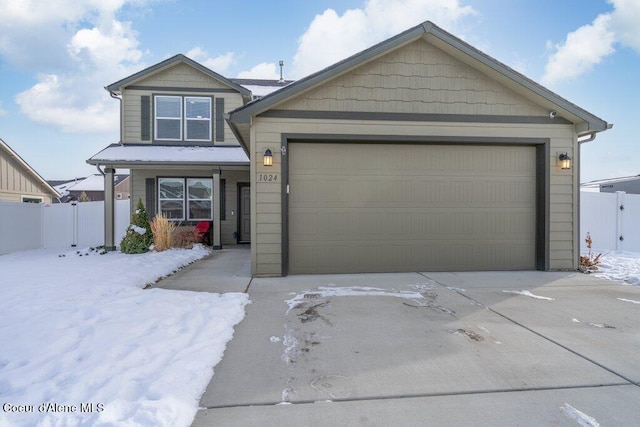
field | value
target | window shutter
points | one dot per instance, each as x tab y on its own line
150	199
219	119
145	118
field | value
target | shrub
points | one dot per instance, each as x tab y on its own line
590	261
162	232
138	237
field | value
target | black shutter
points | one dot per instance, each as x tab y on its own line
150	199
219	119
145	118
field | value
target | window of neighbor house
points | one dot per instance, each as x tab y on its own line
180	118
186	198
32	199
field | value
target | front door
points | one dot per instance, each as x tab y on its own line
244	213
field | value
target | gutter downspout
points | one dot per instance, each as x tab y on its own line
119	98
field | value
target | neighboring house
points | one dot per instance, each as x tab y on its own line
183	158
628	184
91	188
420	153
19	182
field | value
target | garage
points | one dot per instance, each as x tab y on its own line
393	207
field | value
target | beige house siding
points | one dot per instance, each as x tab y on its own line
16	181
267	205
418	78
231	178
180	76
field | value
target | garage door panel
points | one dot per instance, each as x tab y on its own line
432	208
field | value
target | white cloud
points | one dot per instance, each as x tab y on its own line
84	49
625	21
220	64
331	37
264	70
590	44
583	48
59	103
3	112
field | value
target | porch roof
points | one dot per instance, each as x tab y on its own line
131	155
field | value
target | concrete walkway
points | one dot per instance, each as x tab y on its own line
225	270
525	348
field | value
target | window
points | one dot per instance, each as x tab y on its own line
175	123
32	199
171	197
188	199
200	200
197	118
168	118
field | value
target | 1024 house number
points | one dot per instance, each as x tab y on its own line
268	177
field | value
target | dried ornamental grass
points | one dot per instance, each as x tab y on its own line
162	230
590	261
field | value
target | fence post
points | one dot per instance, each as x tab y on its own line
74	216
619	219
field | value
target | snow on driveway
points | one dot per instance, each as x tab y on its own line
81	343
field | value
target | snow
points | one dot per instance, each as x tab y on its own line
137	229
579	417
528	294
166	154
628	300
350	291
78	330
620	266
262	90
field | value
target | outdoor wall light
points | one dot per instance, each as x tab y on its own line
565	161
267	160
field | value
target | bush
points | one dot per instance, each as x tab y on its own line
138	237
162	232
590	261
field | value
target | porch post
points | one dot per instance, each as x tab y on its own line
216	210
109	216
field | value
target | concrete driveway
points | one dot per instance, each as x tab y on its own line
512	348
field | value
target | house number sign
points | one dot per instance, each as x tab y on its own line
268	177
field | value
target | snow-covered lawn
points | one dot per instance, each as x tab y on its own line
620	266
81	343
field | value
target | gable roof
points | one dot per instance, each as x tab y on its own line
179	58
442	39
4	146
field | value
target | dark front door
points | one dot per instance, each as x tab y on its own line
244	213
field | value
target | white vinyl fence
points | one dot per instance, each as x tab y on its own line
26	226
612	220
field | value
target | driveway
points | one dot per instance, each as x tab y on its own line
512	348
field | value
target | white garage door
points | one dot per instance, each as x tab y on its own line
402	207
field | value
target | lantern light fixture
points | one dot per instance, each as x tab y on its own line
565	161
267	160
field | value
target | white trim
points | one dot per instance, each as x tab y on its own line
156	117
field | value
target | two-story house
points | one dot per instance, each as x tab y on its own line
184	159
420	153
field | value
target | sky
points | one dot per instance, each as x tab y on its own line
56	57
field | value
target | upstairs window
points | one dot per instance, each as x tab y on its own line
168	118
180	118
197	118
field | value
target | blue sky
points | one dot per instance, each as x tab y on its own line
57	55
